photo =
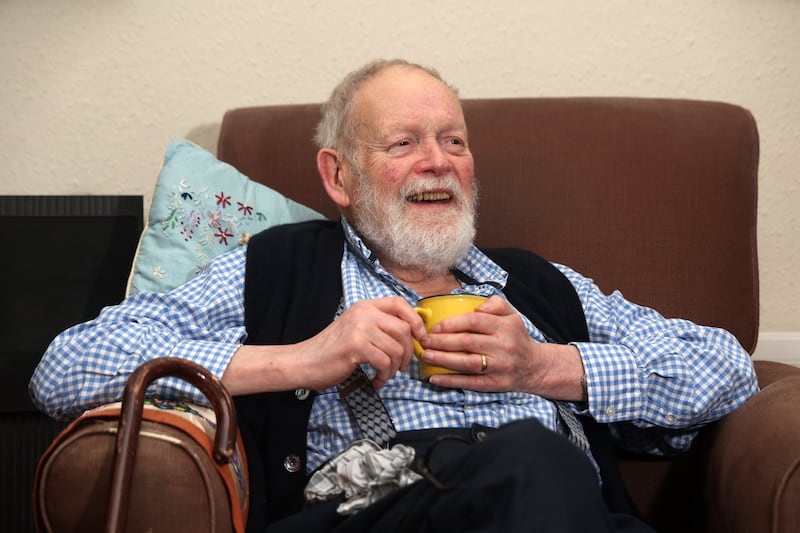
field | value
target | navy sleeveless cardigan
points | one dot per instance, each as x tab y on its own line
292	291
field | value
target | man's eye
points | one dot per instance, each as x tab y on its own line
400	147
454	143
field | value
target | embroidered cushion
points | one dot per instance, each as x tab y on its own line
202	207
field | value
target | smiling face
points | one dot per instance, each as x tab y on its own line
411	191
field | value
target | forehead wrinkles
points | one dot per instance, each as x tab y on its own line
421	106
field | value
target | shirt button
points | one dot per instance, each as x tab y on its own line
610	411
291	463
670	419
301	394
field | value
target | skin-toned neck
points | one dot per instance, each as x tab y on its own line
421	281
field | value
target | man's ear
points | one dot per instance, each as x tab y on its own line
331	168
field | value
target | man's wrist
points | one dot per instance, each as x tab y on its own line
565	378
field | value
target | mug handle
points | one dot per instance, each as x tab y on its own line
425	314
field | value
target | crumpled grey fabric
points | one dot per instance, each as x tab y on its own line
364	472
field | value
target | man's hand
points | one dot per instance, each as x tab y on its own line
514	361
375	332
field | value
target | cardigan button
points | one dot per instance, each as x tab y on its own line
301	394
292	463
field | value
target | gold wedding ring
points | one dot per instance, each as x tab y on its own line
484	364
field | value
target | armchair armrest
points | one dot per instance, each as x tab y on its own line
752	477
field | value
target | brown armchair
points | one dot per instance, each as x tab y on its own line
656	198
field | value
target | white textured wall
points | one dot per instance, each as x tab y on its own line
92	90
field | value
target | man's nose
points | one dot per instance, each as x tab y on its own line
434	159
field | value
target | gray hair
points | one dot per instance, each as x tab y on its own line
336	129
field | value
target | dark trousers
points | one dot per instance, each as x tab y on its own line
521	477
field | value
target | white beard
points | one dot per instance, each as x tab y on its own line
431	243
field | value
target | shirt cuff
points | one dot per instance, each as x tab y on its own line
613	382
211	355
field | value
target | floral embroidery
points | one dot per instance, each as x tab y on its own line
208	219
245	209
223	200
158	271
223	235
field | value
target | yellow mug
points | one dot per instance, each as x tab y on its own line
433	310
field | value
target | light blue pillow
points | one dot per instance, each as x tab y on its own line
202	207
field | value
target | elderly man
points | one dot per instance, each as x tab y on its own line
286	321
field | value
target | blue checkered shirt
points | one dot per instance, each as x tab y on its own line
656	381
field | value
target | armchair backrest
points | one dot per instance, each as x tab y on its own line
653	197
